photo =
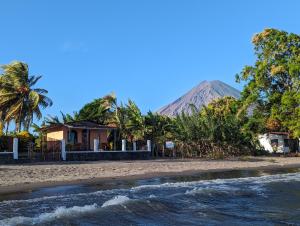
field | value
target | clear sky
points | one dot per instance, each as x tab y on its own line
149	51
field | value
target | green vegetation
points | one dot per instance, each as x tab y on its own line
273	83
226	127
19	101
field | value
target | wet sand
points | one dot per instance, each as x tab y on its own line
24	177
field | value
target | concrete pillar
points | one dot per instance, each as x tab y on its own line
123	145
134	146
63	150
149	145
96	145
15	148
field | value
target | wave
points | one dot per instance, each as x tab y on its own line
117	200
253	182
59	197
59	213
206	187
63	213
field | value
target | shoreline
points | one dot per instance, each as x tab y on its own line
28	187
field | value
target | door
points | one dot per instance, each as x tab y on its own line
85	139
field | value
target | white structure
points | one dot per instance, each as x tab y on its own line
15	148
170	145
278	142
96	144
123	145
134	145
149	145
63	150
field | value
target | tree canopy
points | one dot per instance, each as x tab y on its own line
19	99
273	82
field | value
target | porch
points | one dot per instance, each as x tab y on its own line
80	136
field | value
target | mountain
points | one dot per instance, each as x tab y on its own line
200	95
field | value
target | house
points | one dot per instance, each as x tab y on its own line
78	135
278	142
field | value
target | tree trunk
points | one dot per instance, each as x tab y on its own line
7	127
1	127
18	126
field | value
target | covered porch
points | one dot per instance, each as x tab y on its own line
81	135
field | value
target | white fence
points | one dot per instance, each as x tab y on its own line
97	145
14	153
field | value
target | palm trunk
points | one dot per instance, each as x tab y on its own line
18	126
18	123
1	127
7	127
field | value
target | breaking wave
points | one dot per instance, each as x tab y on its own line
58	213
247	186
117	200
63	213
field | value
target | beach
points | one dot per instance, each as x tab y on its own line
14	178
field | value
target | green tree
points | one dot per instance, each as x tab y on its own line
273	82
19	100
101	110
65	118
217	129
158	129
135	124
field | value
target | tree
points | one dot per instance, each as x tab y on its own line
18	99
135	124
216	130
65	118
158	129
130	121
273	82
101	110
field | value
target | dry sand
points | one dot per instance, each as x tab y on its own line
16	177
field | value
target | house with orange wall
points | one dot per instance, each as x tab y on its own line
78	135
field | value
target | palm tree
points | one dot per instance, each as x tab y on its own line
100	110
135	122
65	118
18	98
159	129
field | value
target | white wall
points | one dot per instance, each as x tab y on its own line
265	142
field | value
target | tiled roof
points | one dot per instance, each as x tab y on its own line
80	125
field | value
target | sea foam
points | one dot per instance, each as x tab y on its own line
117	200
59	213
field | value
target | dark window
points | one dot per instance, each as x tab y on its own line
286	143
274	142
72	137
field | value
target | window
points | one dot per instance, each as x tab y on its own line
72	137
286	143
274	142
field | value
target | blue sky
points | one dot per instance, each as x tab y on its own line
149	51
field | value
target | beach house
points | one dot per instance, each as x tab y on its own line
78	135
278	142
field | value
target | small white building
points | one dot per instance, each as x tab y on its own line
278	142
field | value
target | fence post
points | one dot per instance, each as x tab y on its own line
134	145
149	145
123	145
15	148
96	145
63	150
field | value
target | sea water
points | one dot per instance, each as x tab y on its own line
230	198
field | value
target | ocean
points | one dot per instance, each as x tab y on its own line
251	197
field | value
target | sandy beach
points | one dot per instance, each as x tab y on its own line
27	176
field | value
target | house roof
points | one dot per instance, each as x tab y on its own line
80	125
